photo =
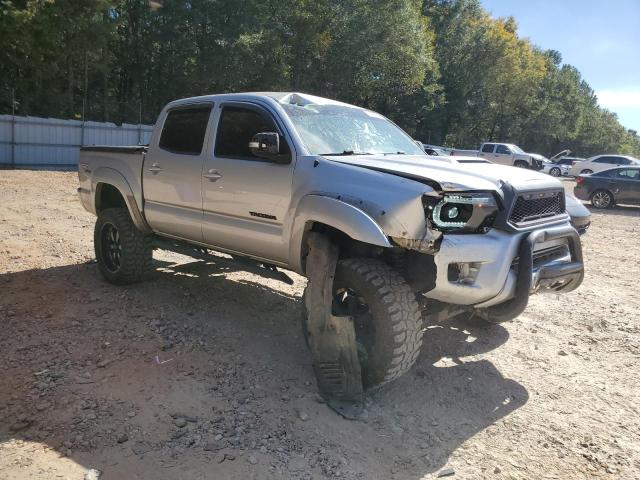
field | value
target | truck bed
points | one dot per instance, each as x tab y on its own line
120	166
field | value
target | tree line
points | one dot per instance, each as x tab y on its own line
444	70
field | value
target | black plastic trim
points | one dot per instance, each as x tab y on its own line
115	149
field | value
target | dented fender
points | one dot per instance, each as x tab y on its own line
337	214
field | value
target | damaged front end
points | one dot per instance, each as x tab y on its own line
452	212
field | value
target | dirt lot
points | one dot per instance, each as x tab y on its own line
202	372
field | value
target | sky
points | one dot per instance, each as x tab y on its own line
601	38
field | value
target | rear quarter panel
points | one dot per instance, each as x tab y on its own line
122	170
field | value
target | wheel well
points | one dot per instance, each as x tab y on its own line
602	190
418	269
108	196
349	247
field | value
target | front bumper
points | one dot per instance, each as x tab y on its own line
537	164
489	269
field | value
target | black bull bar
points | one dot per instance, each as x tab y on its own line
554	277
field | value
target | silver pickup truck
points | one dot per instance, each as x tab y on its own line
506	154
387	236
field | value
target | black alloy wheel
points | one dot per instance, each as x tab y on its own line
111	247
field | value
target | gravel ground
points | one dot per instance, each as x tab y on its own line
201	372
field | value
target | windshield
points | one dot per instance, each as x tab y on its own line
515	148
344	130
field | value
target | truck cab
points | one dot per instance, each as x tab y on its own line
509	154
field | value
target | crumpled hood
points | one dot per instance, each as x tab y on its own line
454	176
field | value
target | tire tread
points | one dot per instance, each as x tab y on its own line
137	250
402	311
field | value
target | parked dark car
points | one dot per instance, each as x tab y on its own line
609	187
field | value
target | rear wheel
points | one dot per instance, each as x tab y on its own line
387	317
602	199
555	172
124	254
521	164
586	171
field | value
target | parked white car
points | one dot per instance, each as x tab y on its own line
555	166
602	162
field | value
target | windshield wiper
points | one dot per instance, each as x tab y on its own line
399	152
344	153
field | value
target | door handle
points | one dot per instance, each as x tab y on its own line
212	176
155	168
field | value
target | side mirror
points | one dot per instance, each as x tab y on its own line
267	145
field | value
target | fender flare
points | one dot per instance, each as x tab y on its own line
340	215
110	176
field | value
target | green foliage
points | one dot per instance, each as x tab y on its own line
443	69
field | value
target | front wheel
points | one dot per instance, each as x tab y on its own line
555	172
602	199
521	164
386	315
124	254
586	171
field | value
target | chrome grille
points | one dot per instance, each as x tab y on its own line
535	206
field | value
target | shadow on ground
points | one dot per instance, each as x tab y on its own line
617	210
70	339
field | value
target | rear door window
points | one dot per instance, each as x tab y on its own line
184	129
487	148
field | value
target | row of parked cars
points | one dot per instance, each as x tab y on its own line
604	180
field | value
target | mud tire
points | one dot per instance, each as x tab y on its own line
397	327
135	253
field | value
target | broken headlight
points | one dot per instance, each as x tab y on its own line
463	212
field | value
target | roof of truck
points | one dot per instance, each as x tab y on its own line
294	98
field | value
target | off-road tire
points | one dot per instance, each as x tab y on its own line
396	316
136	252
521	164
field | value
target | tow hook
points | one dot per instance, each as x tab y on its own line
331	339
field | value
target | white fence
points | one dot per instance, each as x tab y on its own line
53	143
